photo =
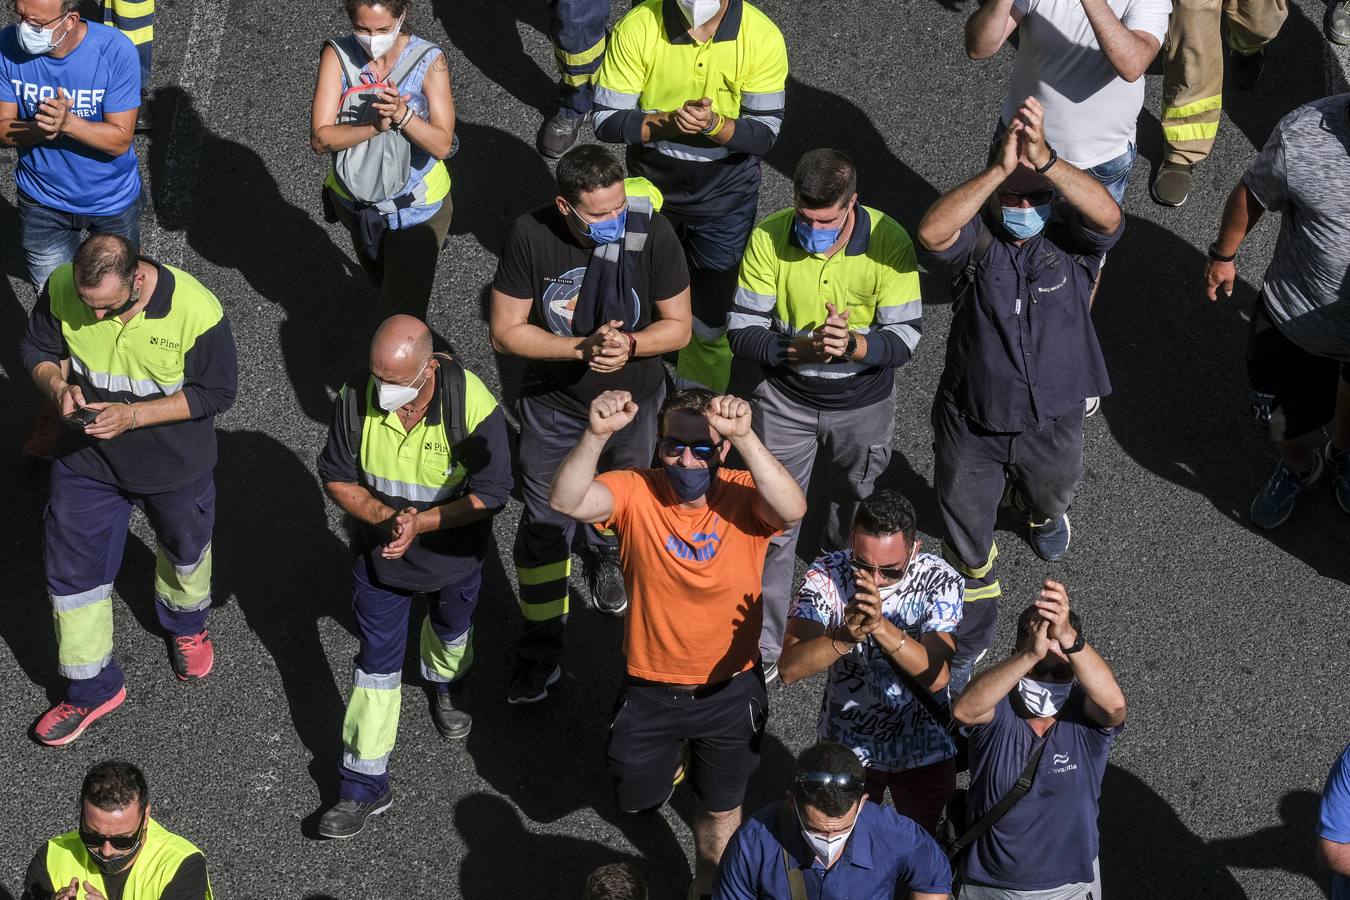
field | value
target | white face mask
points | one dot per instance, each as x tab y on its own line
38	41
698	12
827	849
392	396
377	45
1044	698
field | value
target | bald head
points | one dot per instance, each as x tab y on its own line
401	349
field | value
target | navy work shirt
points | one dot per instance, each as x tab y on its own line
1025	353
1049	838
885	849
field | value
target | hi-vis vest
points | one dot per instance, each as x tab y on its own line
424	467
155	866
142	359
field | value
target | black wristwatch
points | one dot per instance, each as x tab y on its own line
1215	255
1054	158
1077	645
851	347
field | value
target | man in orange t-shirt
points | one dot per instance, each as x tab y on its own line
692	539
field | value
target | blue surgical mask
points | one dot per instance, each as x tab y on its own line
604	232
38	41
815	240
689	484
1023	222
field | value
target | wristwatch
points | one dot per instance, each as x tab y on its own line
1215	255
850	348
1077	645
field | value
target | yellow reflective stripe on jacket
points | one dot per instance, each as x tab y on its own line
437	183
158	861
1193	109
415	466
145	356
1195	131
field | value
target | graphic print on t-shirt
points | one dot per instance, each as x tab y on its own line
560	301
701	547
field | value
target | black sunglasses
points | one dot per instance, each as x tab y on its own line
891	573
1037	198
703	450
819	780
118	841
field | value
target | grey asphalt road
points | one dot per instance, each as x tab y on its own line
1231	644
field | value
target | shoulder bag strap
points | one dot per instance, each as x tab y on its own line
1007	801
355	400
409	62
796	883
350	69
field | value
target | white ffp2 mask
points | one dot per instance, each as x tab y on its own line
698	12
377	45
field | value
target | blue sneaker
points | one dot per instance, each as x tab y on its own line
1050	539
1339	463
1273	505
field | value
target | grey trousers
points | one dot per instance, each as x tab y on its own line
1081	891
857	442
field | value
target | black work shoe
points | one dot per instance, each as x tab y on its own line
605	579
531	681
1172	185
348	817
1244	69
558	134
450	710
1336	23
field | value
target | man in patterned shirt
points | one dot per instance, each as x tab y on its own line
882	619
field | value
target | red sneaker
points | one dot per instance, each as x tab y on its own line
65	721
192	655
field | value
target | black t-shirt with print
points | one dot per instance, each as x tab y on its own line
543	262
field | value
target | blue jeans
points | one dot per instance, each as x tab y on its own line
1114	174
50	237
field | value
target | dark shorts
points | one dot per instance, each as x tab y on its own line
722	724
1293	391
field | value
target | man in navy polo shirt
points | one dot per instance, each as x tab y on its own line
69	92
1053	685
826	836
1030	233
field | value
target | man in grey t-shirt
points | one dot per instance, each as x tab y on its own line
1298	350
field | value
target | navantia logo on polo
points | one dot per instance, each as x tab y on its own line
1060	763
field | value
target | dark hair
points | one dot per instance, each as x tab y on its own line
114	785
69	6
102	254
824	178
694	400
397	8
615	881
586	168
884	513
831	758
1031	615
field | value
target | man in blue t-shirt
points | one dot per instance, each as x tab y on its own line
1055	686
69	93
1334	827
826	836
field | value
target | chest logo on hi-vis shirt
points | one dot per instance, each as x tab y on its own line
701	546
85	102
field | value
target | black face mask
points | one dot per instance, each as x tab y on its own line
125	307
112	865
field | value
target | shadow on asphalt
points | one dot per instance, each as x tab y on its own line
486	33
1290	846
1179	404
238	221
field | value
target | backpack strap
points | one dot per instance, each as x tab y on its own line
346	49
453	387
354	398
409	62
796	883
966	278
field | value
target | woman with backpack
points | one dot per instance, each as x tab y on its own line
384	113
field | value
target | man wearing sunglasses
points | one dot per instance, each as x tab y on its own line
1054	687
825	839
69	95
1025	239
118	850
692	539
881	618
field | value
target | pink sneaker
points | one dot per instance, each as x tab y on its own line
192	655
65	721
